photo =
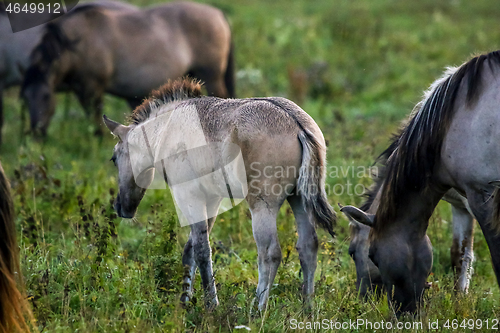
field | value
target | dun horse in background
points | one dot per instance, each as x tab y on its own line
14	308
451	141
194	143
127	53
15	50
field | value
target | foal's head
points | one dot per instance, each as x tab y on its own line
125	154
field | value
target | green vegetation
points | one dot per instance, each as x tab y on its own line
357	66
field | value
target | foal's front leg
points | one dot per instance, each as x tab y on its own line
189	264
203	258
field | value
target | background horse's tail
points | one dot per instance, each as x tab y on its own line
229	76
13	305
311	182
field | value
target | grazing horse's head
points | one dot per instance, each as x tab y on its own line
130	193
404	262
368	275
39	97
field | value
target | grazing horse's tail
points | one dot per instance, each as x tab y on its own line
13	304
229	76
311	182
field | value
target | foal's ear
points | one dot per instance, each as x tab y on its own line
357	215
116	128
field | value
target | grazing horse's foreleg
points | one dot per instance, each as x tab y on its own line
268	247
462	255
188	256
482	212
307	246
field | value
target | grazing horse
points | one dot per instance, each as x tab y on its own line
449	142
127	52
462	255
14	308
194	143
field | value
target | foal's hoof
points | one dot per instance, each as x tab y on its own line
187	299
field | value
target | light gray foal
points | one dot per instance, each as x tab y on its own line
266	150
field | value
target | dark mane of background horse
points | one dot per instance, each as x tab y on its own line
13	304
53	43
415	151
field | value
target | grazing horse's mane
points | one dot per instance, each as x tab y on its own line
411	157
54	42
176	90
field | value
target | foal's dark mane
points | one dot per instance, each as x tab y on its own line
411	157
173	90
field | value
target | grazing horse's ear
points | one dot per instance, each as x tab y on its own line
116	128
357	215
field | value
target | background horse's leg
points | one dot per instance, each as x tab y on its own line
188	256
307	246
134	102
462	255
268	247
214	82
92	103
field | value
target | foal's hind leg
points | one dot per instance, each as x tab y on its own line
462	255
307	246
268	247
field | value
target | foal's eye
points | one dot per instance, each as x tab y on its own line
113	159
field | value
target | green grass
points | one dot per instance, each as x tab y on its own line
357	67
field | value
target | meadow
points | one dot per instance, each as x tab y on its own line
358	67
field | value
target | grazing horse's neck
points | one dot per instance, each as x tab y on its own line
414	210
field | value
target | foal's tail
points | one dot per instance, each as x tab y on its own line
229	76
13	305
311	182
